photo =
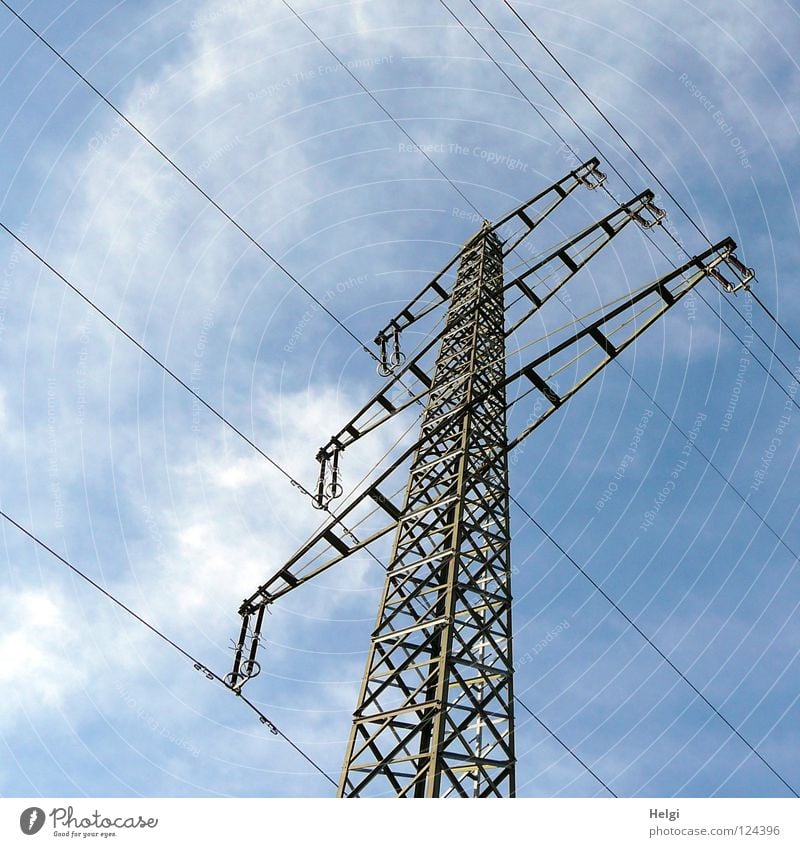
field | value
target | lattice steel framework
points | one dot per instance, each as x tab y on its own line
435	713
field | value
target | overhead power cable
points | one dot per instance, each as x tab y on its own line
745	500
769	374
574	122
775	321
597	149
154	358
605	118
506	75
755	358
355	337
292	481
560	105
636	382
544	85
650	171
184	385
198	665
227	215
338	321
630	375
360	343
380	105
569	750
564	552
658	650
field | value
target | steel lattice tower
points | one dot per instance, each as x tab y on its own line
435	713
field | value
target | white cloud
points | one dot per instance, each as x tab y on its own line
32	643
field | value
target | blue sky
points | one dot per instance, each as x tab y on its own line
107	460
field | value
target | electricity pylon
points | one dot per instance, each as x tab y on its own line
435	714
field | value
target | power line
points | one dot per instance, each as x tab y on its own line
617	360
662	410
229	217
380	106
605	118
752	354
558	103
184	385
337	320
198	665
678	204
155	359
356	338
506	75
714	467
576	124
292	481
647	168
571	752
650	171
776	322
189	179
542	84
658	650
721	318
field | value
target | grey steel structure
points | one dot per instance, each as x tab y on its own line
435	714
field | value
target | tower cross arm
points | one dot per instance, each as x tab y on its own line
583	353
409	382
525	218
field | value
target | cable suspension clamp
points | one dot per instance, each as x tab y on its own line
592	177
389	359
742	275
656	213
384	368
334	488
397	356
245	665
328	458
